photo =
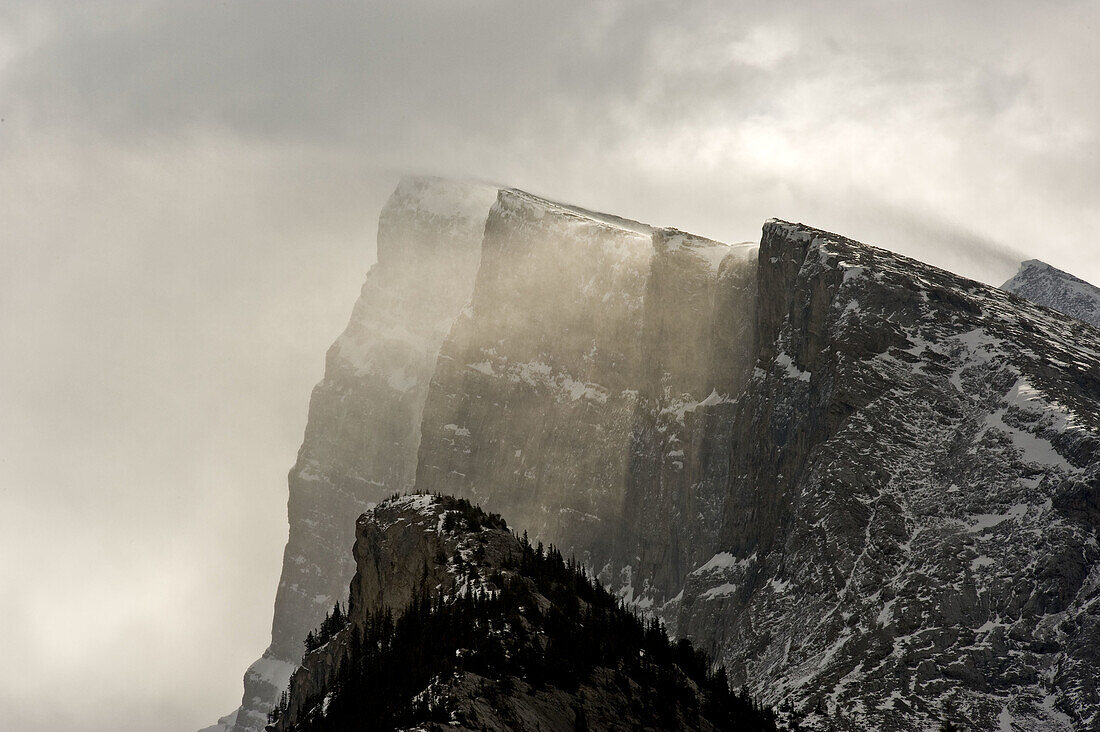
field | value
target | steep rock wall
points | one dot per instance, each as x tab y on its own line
586	392
697	332
868	485
910	531
529	412
363	429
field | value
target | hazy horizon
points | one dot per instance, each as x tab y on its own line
189	200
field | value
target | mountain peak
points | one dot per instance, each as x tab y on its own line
1059	290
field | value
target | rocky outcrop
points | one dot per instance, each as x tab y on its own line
910	530
402	549
530	643
364	417
1050	286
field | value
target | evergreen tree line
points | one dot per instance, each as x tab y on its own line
461	513
280	708
333	623
391	659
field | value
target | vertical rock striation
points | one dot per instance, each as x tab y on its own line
696	351
584	393
364	417
530	409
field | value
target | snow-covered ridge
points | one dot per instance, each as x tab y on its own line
522	198
1054	288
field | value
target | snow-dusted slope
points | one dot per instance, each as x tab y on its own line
1046	285
910	531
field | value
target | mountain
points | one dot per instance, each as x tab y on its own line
1046	285
866	485
455	623
408	329
909	535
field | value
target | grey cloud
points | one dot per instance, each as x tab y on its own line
311	72
188	193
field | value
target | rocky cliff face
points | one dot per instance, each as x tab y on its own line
867	485
529	412
910	529
1046	285
697	355
364	417
585	393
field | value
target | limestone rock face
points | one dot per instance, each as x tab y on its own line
585	392
364	417
529	413
404	544
1050	286
909	533
868	486
696	342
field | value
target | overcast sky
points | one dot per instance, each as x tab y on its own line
188	195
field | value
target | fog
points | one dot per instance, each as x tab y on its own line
188	196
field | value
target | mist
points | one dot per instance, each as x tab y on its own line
188	204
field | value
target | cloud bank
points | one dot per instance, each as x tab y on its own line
188	192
